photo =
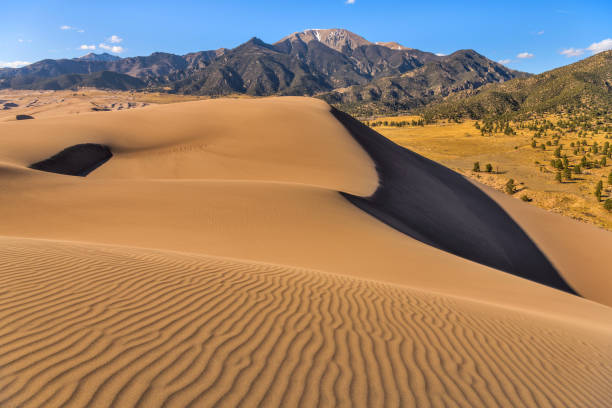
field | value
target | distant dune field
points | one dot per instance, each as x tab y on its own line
264	252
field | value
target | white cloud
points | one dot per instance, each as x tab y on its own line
115	39
67	27
13	64
112	48
87	47
572	52
439	54
524	55
603	45
20	40
505	61
350	2
540	32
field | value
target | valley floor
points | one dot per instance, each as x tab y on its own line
459	145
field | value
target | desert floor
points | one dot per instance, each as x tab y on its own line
215	260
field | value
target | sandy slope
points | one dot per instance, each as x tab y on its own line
87	325
315	303
44	104
579	251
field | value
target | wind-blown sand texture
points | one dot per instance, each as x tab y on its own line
213	261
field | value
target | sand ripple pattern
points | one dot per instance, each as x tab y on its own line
96	326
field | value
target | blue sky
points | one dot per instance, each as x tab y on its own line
531	36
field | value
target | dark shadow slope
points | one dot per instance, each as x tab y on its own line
78	160
439	207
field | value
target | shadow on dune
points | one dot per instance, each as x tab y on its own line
77	160
439	207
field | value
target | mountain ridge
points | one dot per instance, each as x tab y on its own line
314	62
584	84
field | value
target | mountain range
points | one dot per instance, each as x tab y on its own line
583	85
334	64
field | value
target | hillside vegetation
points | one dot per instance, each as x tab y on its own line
585	86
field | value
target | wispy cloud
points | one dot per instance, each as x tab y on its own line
71	28
595	48
505	61
87	47
572	52
439	54
603	45
13	64
115	39
540	32
112	48
349	2
524	55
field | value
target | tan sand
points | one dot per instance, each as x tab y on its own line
45	104
315	302
579	251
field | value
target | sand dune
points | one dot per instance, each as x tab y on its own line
215	260
45	104
92	325
441	208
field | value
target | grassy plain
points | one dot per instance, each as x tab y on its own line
460	145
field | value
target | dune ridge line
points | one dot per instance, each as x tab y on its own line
437	206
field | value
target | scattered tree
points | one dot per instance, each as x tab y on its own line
476	167
489	168
598	189
510	187
567	173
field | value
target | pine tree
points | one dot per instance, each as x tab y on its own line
567	173
489	168
476	167
598	189
510	187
